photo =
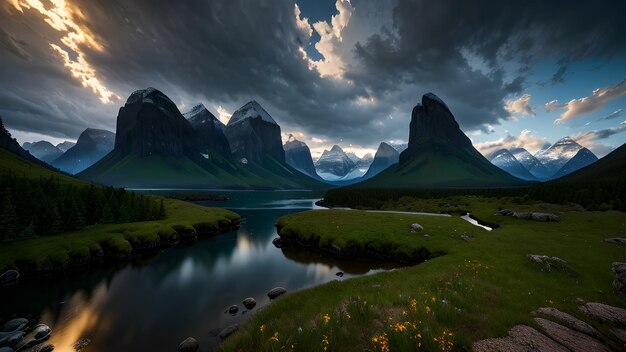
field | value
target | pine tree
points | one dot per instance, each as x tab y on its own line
8	218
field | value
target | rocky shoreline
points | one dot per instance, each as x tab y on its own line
106	254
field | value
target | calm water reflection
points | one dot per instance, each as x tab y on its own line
155	302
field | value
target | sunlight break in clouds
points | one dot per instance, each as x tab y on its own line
524	140
60	16
587	105
330	37
520	106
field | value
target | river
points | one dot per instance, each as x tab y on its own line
154	302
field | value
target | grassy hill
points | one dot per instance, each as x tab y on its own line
166	171
11	163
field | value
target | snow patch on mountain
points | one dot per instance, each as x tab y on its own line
251	110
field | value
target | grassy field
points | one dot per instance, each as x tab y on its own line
115	240
480	288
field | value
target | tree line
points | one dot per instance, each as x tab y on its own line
31	208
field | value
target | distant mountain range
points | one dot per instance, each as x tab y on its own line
156	146
562	158
92	145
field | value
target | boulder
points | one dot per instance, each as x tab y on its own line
229	330
41	332
189	345
605	312
249	303
505	212
276	291
568	320
277	242
616	240
8	339
521	338
523	215
549	263
573	340
15	325
9	277
544	217
416	228
619	283
620	334
233	309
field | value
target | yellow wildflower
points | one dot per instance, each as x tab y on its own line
427	309
262	328
274	337
326	318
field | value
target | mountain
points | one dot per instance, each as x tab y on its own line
209	132
506	161
355	158
157	147
557	155
440	155
298	156
583	158
92	145
361	165
386	155
399	147
8	143
530	163
253	134
611	169
334	164
43	150
65	146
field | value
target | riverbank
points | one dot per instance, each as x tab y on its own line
481	288
115	242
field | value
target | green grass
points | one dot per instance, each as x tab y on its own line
56	251
478	289
10	162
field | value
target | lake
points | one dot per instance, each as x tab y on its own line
154	302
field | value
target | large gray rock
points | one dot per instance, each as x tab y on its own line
544	217
189	345
616	240
249	303
619	283
521	338
276	291
573	340
416	228
229	330
15	325
605	313
549	263
567	319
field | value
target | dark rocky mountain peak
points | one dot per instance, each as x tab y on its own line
298	156
151	124
209	132
253	134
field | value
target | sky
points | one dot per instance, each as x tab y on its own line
329	72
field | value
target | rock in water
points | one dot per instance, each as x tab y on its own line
276	291
41	332
233	309
189	345
249	303
619	283
254	135
17	324
229	330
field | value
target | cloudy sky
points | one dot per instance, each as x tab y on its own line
344	72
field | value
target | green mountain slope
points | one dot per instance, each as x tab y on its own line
167	171
610	168
20	167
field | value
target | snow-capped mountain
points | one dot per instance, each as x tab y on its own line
43	150
252	110
506	161
334	164
360	167
355	158
298	156
399	147
555	157
253	135
64	146
209	132
583	158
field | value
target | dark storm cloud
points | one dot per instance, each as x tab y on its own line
231	51
443	44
